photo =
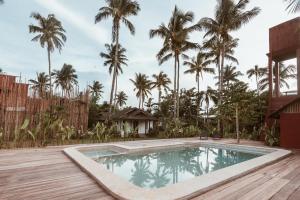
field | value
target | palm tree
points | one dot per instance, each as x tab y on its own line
50	34
257	72
293	5
118	10
121	99
208	96
111	62
285	73
66	78
96	90
176	42
197	66
41	84
161	82
142	86
231	74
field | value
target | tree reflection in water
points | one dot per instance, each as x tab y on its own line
158	169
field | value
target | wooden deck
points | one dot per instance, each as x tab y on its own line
49	174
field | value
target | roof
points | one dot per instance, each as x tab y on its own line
277	112
130	114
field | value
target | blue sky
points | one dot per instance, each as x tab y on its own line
18	54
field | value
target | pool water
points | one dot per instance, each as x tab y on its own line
164	167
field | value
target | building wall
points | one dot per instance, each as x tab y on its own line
290	130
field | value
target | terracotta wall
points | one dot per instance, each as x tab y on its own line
290	130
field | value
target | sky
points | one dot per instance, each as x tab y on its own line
85	40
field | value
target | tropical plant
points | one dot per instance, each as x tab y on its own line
96	90
230	75
119	11
65	78
111	62
258	73
121	99
293	5
285	73
161	82
210	95
176	42
41	84
50	34
142	87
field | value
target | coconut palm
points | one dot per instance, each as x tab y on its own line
119	11
285	73
41	84
161	82
121	99
230	75
50	34
66	78
210	95
293	5
96	90
229	16
257	72
142	87
198	66
176	42
111	62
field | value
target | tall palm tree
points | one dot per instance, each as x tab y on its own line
285	73
96	90
197	66
119	11
41	84
142	87
111	62
257	72
293	5
121	99
229	16
161	82
176	42
50	34
66	78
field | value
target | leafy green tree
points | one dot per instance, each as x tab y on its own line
231	75
121	99
96	90
142	87
50	34
176	42
161	82
119	11
66	78
41	84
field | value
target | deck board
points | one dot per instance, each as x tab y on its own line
46	173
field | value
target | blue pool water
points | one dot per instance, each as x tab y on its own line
164	167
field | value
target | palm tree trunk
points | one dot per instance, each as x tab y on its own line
219	95
221	85
116	90
175	91
198	99
237	123
178	72
49	70
140	102
115	71
159	96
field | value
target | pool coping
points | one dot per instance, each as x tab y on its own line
123	189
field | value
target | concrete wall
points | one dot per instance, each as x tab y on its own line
290	130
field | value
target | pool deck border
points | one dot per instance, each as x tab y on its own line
122	189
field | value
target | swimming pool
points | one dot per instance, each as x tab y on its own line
159	168
168	169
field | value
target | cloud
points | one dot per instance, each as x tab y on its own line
96	33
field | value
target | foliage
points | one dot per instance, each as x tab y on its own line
142	86
272	135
